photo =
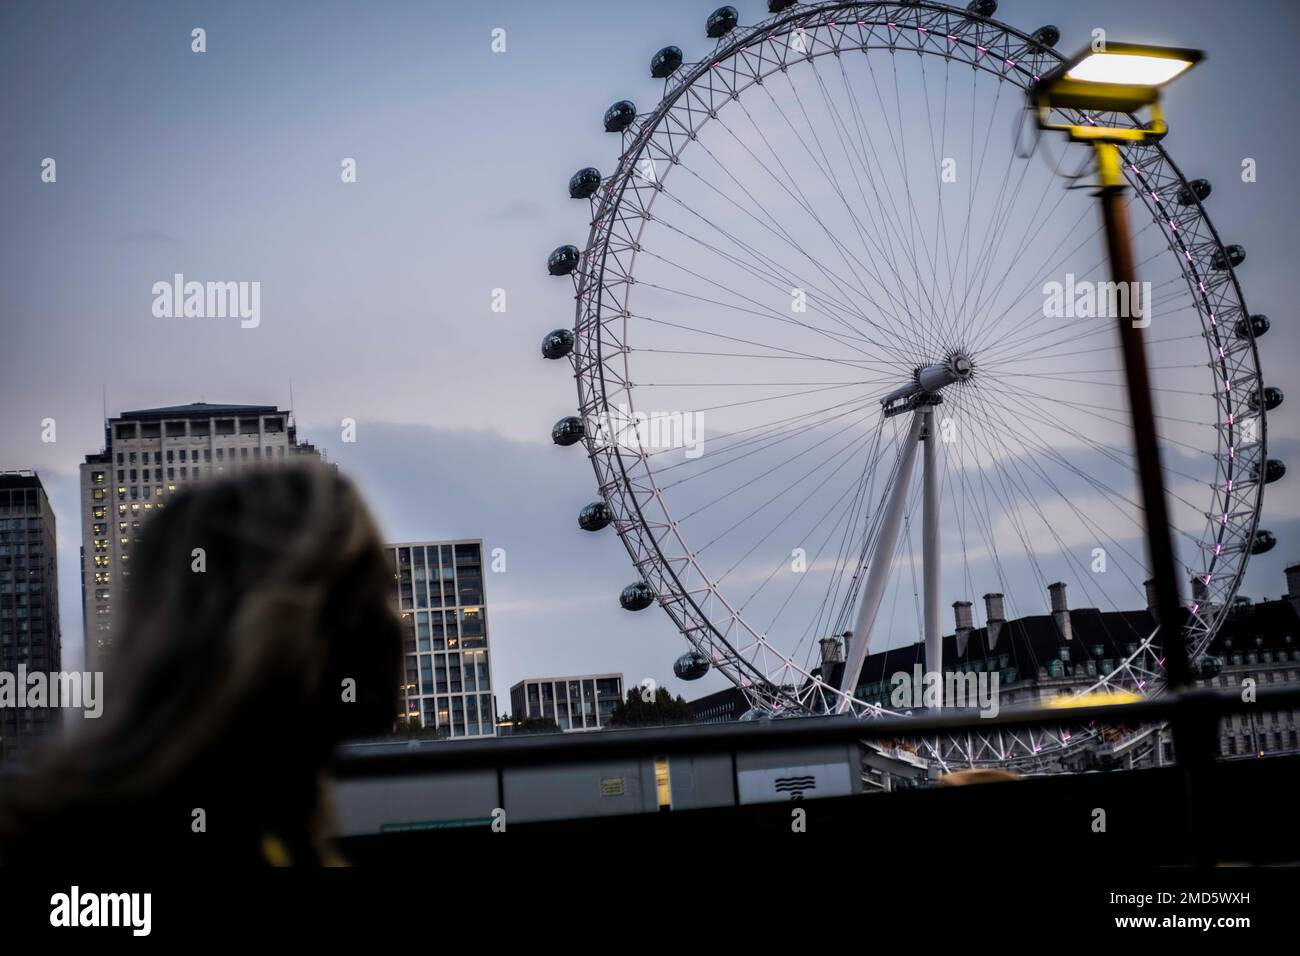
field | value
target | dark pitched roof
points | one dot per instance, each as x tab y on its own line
1266	625
1032	642
1028	643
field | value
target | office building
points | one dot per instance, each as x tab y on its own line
441	594
29	605
720	707
148	456
584	702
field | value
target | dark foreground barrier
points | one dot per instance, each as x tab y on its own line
1198	810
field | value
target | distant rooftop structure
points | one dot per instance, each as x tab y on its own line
202	409
20	478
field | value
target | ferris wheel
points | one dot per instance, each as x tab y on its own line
843	357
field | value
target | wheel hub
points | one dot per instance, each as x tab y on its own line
928	383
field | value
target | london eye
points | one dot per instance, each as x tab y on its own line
843	358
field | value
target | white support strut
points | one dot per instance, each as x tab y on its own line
919	396
930	550
882	559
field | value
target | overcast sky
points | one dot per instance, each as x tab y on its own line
376	296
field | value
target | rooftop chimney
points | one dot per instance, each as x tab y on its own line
1060	609
1293	581
830	655
993	615
965	624
1153	603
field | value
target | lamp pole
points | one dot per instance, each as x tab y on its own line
1192	733
1160	549
1120	79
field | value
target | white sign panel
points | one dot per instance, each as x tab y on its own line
795	783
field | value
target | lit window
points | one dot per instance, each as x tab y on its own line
663	783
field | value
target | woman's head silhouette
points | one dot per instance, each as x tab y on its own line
259	633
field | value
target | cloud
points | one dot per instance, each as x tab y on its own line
555	609
519	210
150	237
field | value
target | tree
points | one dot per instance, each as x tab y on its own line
534	725
407	726
636	711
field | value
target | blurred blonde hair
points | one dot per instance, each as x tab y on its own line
235	672
960	778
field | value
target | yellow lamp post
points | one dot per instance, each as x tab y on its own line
1126	78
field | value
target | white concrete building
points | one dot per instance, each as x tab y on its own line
148	456
581	702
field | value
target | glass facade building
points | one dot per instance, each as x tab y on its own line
29	605
441	595
583	702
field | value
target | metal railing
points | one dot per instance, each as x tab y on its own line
1198	711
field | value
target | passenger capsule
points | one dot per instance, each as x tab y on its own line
1272	398
584	183
563	260
691	666
1047	36
982	8
567	431
1252	327
636	597
1264	541
595	516
666	62
721	22
1233	255
1198	190
620	116
1273	470
776	6
557	344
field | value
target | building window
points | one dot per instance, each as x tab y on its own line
663	783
